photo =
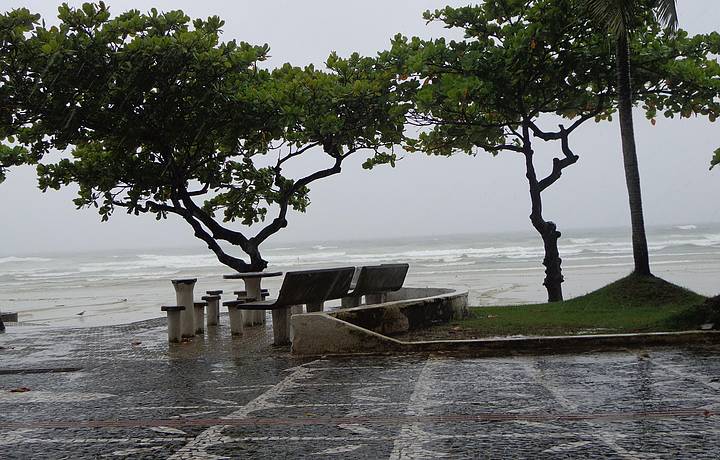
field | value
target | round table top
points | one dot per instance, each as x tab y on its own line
184	281
238	276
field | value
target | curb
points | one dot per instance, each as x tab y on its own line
563	344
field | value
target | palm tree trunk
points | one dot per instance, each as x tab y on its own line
632	174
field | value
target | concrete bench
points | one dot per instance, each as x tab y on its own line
309	287
374	282
173	313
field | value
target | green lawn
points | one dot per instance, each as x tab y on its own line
632	304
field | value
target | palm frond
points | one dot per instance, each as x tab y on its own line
666	12
616	15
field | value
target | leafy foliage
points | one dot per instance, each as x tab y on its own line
13	84
159	112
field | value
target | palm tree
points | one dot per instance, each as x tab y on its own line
619	17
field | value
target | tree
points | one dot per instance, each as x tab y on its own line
523	63
621	17
163	114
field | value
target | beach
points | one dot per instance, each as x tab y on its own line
124	286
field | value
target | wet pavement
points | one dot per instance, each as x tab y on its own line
121	392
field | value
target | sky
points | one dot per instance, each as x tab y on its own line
421	195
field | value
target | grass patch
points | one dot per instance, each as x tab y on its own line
631	304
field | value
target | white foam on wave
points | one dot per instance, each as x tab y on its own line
11	259
540	267
150	261
582	241
686	227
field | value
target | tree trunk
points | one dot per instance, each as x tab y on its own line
547	230
257	263
632	174
552	261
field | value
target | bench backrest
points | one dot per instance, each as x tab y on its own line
380	278
310	286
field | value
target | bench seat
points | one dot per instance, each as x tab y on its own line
261	305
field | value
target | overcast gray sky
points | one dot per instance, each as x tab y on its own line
422	195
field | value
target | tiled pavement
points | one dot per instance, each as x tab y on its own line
125	394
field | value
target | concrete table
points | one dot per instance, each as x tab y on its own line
184	296
252	282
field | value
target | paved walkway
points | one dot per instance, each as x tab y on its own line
119	392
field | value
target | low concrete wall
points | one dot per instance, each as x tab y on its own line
366	328
322	334
407	309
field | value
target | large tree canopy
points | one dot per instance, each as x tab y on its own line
522	64
162	117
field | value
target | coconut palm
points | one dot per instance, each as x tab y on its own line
620	17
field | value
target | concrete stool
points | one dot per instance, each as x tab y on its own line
236	320
184	295
173	314
199	317
213	309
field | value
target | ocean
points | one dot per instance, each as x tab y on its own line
123	286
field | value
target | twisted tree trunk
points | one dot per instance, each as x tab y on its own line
632	174
547	230
552	262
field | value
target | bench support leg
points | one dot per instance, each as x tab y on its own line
349	302
174	334
314	307
371	299
281	325
236	321
213	313
184	296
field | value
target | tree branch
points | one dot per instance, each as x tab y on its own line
559	164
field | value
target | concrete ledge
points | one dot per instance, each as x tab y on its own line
407	309
365	329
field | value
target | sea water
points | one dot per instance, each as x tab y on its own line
114	287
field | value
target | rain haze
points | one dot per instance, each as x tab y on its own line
421	195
